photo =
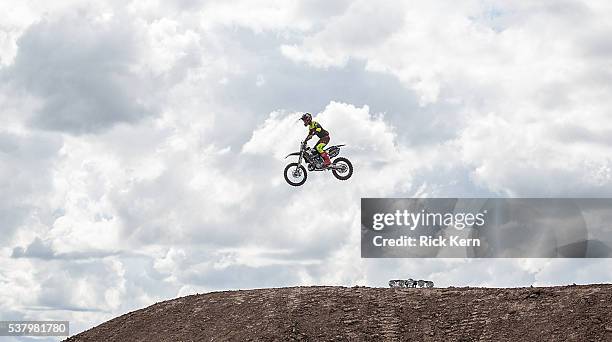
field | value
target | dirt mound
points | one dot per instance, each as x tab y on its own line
571	313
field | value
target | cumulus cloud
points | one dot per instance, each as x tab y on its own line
26	161
108	71
518	78
371	144
367	131
14	19
82	76
142	153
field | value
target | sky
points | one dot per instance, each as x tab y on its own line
142	142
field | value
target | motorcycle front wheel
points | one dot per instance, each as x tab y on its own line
295	174
345	170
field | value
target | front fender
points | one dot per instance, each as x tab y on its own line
292	154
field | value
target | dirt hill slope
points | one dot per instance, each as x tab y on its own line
571	313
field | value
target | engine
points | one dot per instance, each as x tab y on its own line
316	161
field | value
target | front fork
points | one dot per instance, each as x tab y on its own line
296	172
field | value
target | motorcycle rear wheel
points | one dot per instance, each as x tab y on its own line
295	174
345	174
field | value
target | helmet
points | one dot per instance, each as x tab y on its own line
307	118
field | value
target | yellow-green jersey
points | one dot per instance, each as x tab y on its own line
315	129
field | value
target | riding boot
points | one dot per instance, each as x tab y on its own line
326	161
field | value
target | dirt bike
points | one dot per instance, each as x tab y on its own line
295	173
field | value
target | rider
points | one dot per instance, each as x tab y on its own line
315	128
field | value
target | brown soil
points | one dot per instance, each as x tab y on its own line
570	313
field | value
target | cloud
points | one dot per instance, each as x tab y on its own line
26	180
362	24
44	250
109	71
83	76
525	159
270	15
14	19
515	76
371	144
367	132
141	154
